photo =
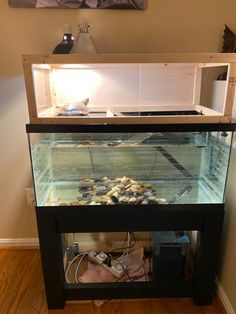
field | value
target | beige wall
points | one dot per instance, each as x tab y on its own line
166	26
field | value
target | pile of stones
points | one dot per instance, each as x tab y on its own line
123	190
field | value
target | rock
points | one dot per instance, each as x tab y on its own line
85	195
123	199
76	203
136	188
151	198
82	202
103	203
124	180
116	194
148	194
110	202
161	200
98	180
83	188
132	200
128	193
109	193
120	186
107	182
113	190
152	202
101	190
140	199
88	181
110	186
114	199
104	198
116	189
122	192
128	186
147	186
95	199
63	204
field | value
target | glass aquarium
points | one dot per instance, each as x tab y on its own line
129	168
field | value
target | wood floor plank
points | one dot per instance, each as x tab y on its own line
22	292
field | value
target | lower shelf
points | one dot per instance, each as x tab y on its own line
127	290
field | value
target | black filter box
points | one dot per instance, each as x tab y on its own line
169	255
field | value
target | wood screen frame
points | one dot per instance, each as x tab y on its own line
203	60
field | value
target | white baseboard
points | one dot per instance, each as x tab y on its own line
4	243
224	299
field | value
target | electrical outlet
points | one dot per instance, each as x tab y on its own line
30	198
117	269
99	258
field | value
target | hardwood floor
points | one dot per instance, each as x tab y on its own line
22	292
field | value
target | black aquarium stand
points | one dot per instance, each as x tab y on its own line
205	218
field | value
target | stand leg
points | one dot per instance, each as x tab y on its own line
206	258
51	257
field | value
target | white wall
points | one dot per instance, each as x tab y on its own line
166	26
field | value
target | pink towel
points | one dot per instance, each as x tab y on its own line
136	269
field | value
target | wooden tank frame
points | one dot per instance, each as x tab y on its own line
201	61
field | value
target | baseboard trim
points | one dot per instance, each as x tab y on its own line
19	242
224	298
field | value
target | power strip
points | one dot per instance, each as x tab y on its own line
117	269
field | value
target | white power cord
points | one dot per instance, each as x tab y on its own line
122	258
126	251
77	268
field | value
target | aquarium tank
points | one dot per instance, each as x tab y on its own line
137	168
